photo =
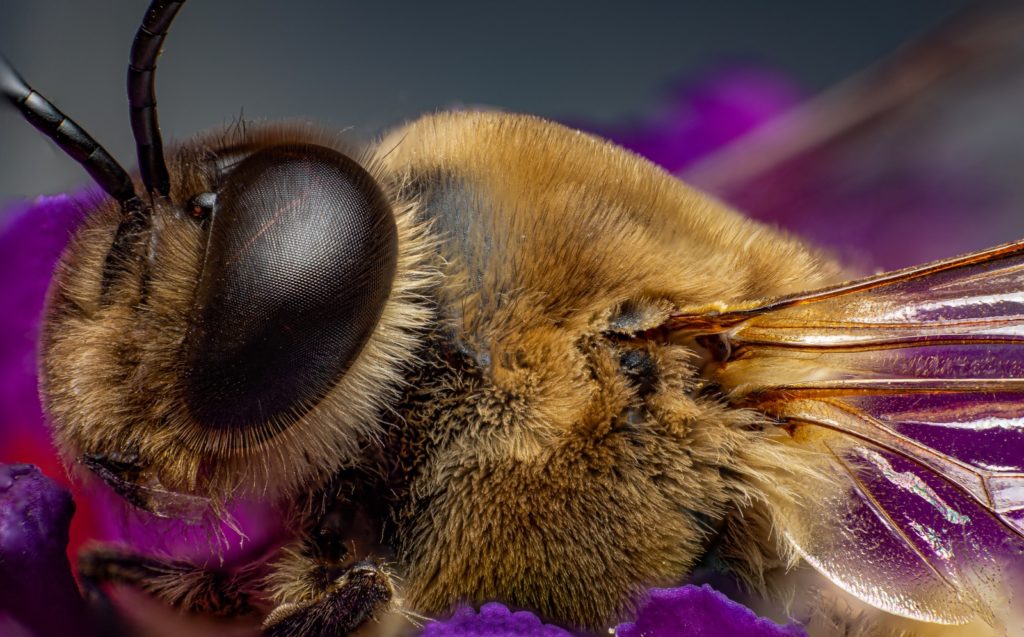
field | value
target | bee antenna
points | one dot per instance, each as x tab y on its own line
71	137
142	93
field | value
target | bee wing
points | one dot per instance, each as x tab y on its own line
912	383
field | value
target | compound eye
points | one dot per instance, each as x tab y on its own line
299	263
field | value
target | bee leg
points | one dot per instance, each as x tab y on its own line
359	595
179	584
330	581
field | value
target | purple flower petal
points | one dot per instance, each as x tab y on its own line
36	587
692	611
689	611
32	236
493	620
704	115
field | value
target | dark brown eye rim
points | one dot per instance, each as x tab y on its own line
201	206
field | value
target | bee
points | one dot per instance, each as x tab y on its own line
489	357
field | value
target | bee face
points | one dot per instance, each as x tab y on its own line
164	362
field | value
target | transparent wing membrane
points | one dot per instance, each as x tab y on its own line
912	384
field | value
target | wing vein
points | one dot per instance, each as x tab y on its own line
880	511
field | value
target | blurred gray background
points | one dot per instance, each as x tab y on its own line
370	65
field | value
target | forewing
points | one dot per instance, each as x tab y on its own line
912	385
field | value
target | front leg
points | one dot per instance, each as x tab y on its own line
183	585
331	581
361	593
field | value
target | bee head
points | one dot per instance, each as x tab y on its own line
235	328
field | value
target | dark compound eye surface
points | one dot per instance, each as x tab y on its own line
300	260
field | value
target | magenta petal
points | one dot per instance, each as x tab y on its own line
493	620
692	611
36	587
32	236
704	115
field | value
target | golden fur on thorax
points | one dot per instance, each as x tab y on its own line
547	480
112	373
